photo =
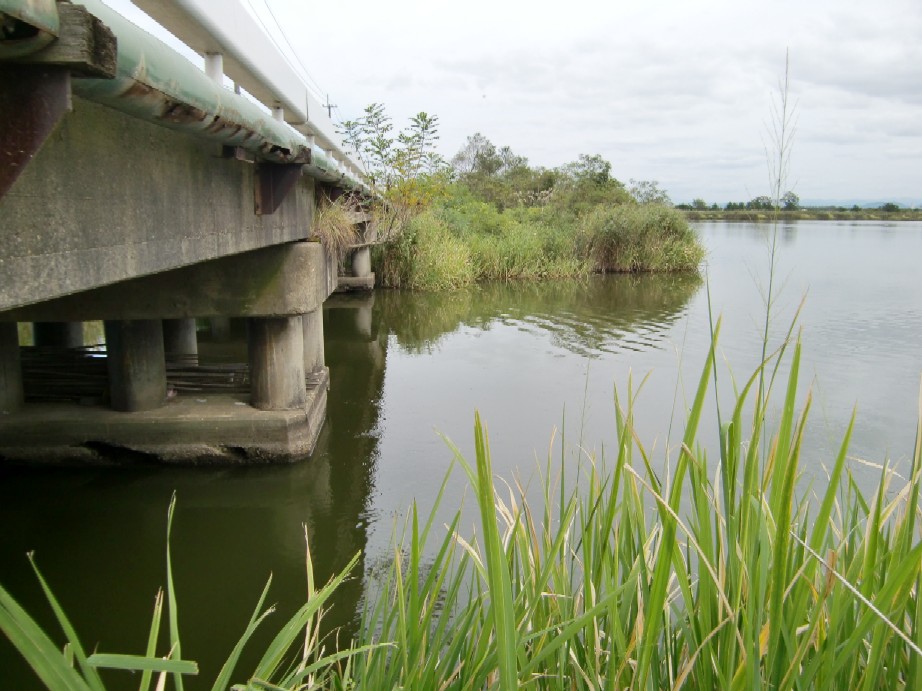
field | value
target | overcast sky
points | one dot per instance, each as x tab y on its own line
671	90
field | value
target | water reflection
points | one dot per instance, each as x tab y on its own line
99	534
605	314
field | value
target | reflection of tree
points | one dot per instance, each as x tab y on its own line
602	313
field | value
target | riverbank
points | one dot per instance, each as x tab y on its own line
762	216
463	241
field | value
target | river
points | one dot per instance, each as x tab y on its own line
408	370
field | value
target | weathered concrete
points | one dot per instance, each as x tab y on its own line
287	279
210	429
357	282
180	338
361	262
137	369
10	369
58	334
276	355
220	328
109	197
313	340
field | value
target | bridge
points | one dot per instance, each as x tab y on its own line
152	194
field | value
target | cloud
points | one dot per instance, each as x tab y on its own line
676	91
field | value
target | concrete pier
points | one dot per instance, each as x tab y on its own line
361	262
11	395
276	356
136	364
180	339
57	334
313	341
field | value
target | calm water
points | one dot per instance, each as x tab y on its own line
407	369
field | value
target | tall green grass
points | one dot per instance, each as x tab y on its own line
630	238
718	575
462	241
721	572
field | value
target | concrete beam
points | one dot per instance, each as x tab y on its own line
109	198
274	281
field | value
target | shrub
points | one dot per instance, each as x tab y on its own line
426	256
631	238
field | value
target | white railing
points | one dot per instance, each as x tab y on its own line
230	42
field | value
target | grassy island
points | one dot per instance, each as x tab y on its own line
489	215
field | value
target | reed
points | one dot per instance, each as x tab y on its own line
461	241
720	575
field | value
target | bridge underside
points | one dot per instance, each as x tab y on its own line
153	231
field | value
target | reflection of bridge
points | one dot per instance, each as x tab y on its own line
136	188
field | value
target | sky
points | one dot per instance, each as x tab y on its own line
669	90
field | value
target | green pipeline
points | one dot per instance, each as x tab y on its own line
156	84
27	26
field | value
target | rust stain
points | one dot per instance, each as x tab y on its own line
182	113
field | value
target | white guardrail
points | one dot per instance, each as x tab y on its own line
225	34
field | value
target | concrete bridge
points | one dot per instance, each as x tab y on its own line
150	193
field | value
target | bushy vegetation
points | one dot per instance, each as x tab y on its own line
490	216
631	238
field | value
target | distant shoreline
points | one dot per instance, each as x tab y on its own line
762	215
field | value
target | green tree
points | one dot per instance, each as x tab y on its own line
585	183
890	207
761	203
391	160
699	204
790	201
648	192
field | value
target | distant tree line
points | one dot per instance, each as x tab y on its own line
788	202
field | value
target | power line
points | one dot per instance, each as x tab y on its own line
309	80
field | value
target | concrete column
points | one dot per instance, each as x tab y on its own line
58	334
137	369
214	67
364	319
220	328
313	340
361	262
276	355
180	338
10	368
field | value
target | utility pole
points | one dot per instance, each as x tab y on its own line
329	106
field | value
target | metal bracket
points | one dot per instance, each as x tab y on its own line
273	183
85	45
33	99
